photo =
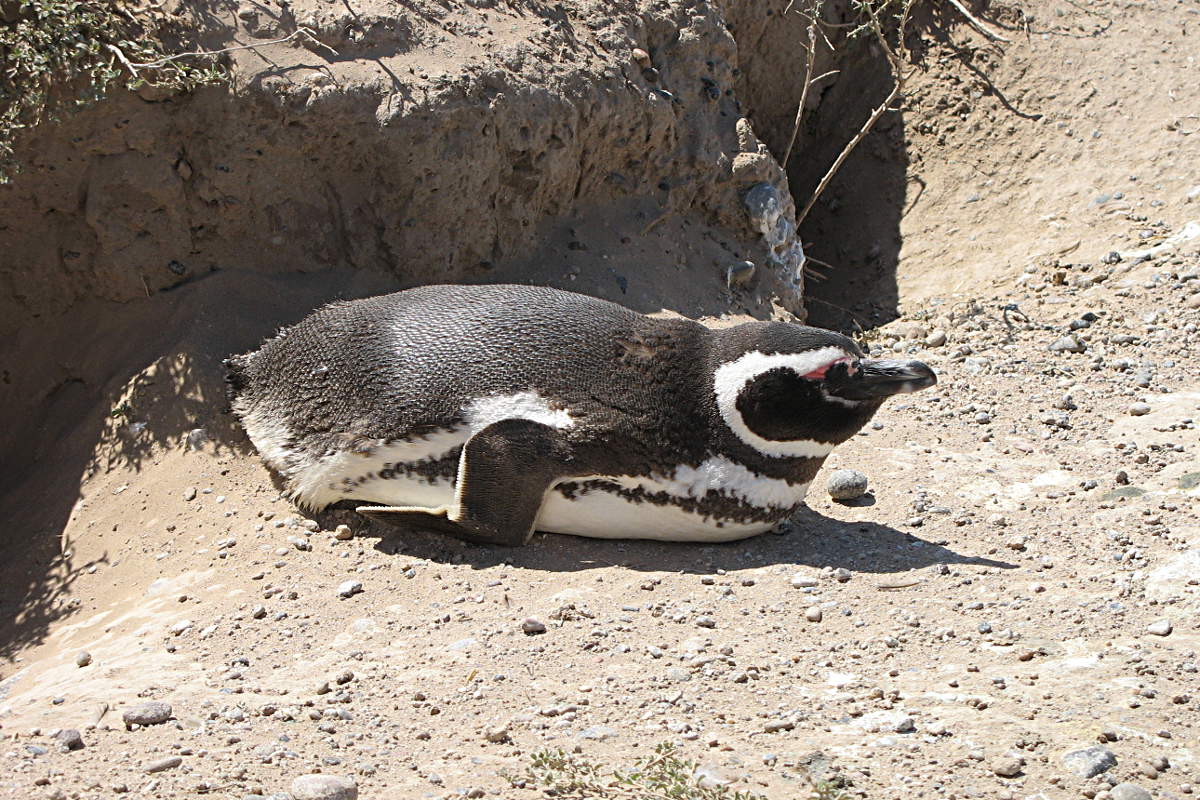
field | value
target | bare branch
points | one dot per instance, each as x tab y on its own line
134	67
976	23
895	57
808	71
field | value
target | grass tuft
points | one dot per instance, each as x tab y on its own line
60	55
662	776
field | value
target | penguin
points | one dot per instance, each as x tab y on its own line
491	412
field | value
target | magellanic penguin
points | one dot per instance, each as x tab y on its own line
489	412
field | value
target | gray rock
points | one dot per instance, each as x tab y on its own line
936	338
813	614
164	764
324	787
1139	409
83	659
739	273
803	581
1067	344
1129	791
349	588
1007	766
189	493
846	484
1090	761
343	532
598	733
762	202
532	627
1160	627
69	739
1170	581
152	713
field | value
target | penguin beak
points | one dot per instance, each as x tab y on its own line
869	379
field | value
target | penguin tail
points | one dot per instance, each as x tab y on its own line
237	376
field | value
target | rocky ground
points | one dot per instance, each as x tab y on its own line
1019	585
1011	611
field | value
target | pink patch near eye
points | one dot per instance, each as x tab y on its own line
819	373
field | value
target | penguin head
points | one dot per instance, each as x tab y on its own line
793	391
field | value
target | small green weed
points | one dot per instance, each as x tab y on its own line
662	776
59	55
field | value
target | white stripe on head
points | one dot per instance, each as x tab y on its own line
733	376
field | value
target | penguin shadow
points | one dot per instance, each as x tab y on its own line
811	540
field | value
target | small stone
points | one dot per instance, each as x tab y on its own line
496	734
69	739
532	627
776	725
164	764
846	484
813	614
739	273
935	339
1090	761
152	713
1007	766
802	581
1129	791
83	658
1067	344
1139	409
259	611
324	787
706	622
181	627
349	589
641	57
1160	628
343	532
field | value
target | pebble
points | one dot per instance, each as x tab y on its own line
1067	344
1007	766
739	273
83	659
324	787
846	484
164	764
189	493
1161	627
152	713
69	739
343	532
935	339
813	614
349	588
802	581
532	627
496	734
1129	791
1090	761
1139	409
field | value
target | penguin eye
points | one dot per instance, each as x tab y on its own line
822	371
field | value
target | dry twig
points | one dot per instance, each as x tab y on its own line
976	23
895	57
133	67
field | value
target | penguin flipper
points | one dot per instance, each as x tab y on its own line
503	475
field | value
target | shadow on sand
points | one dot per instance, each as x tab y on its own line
813	540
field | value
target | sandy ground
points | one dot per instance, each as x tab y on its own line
1022	582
